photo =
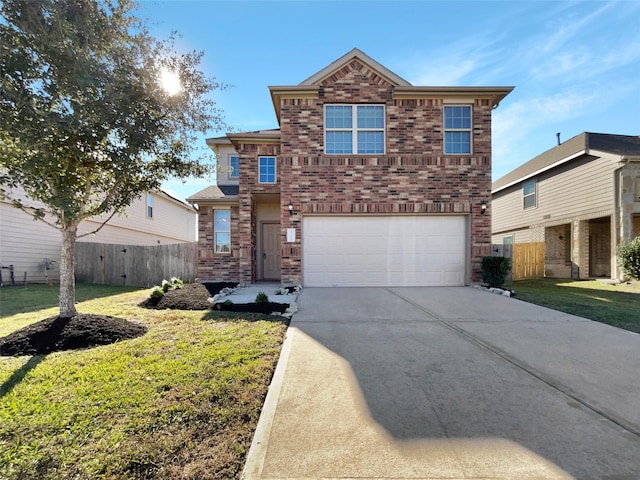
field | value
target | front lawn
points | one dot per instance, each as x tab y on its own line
21	298
180	402
617	305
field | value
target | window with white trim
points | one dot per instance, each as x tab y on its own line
234	166
266	169
149	205
457	129
222	231
352	129
529	194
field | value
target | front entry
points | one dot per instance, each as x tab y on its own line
271	251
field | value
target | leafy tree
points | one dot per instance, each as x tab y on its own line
629	258
85	124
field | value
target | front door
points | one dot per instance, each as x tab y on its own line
271	251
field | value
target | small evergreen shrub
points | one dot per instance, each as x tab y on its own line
165	286
262	298
157	293
495	270
629	258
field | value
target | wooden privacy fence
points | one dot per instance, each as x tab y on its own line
527	259
141	266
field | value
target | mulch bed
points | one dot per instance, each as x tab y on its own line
194	296
81	331
86	330
191	296
267	308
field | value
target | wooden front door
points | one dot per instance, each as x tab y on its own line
271	251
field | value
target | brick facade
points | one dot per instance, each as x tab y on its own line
414	176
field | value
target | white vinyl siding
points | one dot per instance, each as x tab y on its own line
25	243
384	251
586	190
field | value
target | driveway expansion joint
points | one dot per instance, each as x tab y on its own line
563	389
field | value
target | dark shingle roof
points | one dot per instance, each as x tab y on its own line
215	192
625	145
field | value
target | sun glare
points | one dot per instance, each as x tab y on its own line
170	82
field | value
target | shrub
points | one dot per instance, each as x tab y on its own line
495	270
629	258
165	286
157	292
262	298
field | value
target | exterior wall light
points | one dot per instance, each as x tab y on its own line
290	209
483	207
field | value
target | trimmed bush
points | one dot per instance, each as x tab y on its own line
629	258
495	270
262	298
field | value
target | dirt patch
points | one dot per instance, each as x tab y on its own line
190	296
55	334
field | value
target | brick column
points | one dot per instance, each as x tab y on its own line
580	249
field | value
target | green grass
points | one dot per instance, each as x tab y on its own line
181	401
617	305
20	298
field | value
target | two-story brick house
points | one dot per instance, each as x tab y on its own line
369	181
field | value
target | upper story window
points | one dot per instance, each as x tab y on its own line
529	194
222	231
267	169
457	129
354	129
149	205
234	166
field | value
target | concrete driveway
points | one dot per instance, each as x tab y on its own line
434	383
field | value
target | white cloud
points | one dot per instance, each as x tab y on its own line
513	125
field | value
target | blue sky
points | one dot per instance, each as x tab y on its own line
575	64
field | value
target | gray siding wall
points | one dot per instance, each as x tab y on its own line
584	189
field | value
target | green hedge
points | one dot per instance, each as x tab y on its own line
629	258
495	270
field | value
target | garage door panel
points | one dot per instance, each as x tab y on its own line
384	251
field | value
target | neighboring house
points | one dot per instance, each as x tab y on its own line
369	181
33	247
579	200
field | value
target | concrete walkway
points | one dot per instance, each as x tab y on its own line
455	383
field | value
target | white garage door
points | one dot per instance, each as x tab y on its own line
384	251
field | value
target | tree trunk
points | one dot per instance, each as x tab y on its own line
67	273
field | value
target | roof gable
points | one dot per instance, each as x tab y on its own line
584	143
358	61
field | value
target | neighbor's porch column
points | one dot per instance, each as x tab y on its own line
580	249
